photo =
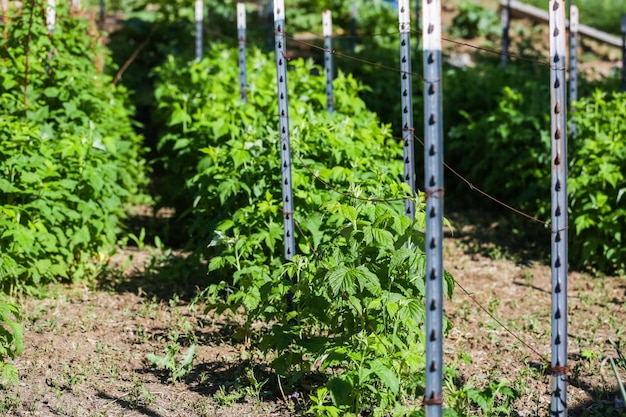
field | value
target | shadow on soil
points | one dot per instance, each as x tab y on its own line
602	405
495	235
157	261
127	404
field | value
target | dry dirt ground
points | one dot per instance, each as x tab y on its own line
87	345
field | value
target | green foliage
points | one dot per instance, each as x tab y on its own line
343	315
11	341
354	312
493	400
474	20
69	159
222	155
597	193
499	142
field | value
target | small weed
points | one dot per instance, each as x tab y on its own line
139	396
149	309
227	399
177	370
254	389
174	301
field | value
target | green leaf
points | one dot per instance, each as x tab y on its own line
9	374
341	391
367	279
339	280
51	92
386	375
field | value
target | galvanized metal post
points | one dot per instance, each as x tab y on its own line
558	101
199	15
505	15
285	142
327	31
51	17
433	160
573	65
623	52
406	88
241	37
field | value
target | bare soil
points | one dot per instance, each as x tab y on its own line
86	346
514	289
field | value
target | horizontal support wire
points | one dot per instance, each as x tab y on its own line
395	33
413	74
485	194
543	358
470	185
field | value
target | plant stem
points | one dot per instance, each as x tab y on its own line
619	380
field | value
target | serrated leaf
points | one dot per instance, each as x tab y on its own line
9	374
367	279
189	356
216	263
339	280
386	375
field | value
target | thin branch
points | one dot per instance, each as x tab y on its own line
130	60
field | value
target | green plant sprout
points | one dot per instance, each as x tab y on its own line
177	369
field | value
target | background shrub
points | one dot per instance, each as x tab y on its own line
69	158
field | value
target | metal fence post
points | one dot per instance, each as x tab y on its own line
505	15
283	111
327	28
558	101
433	161
406	88
199	15
241	37
51	16
573	65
